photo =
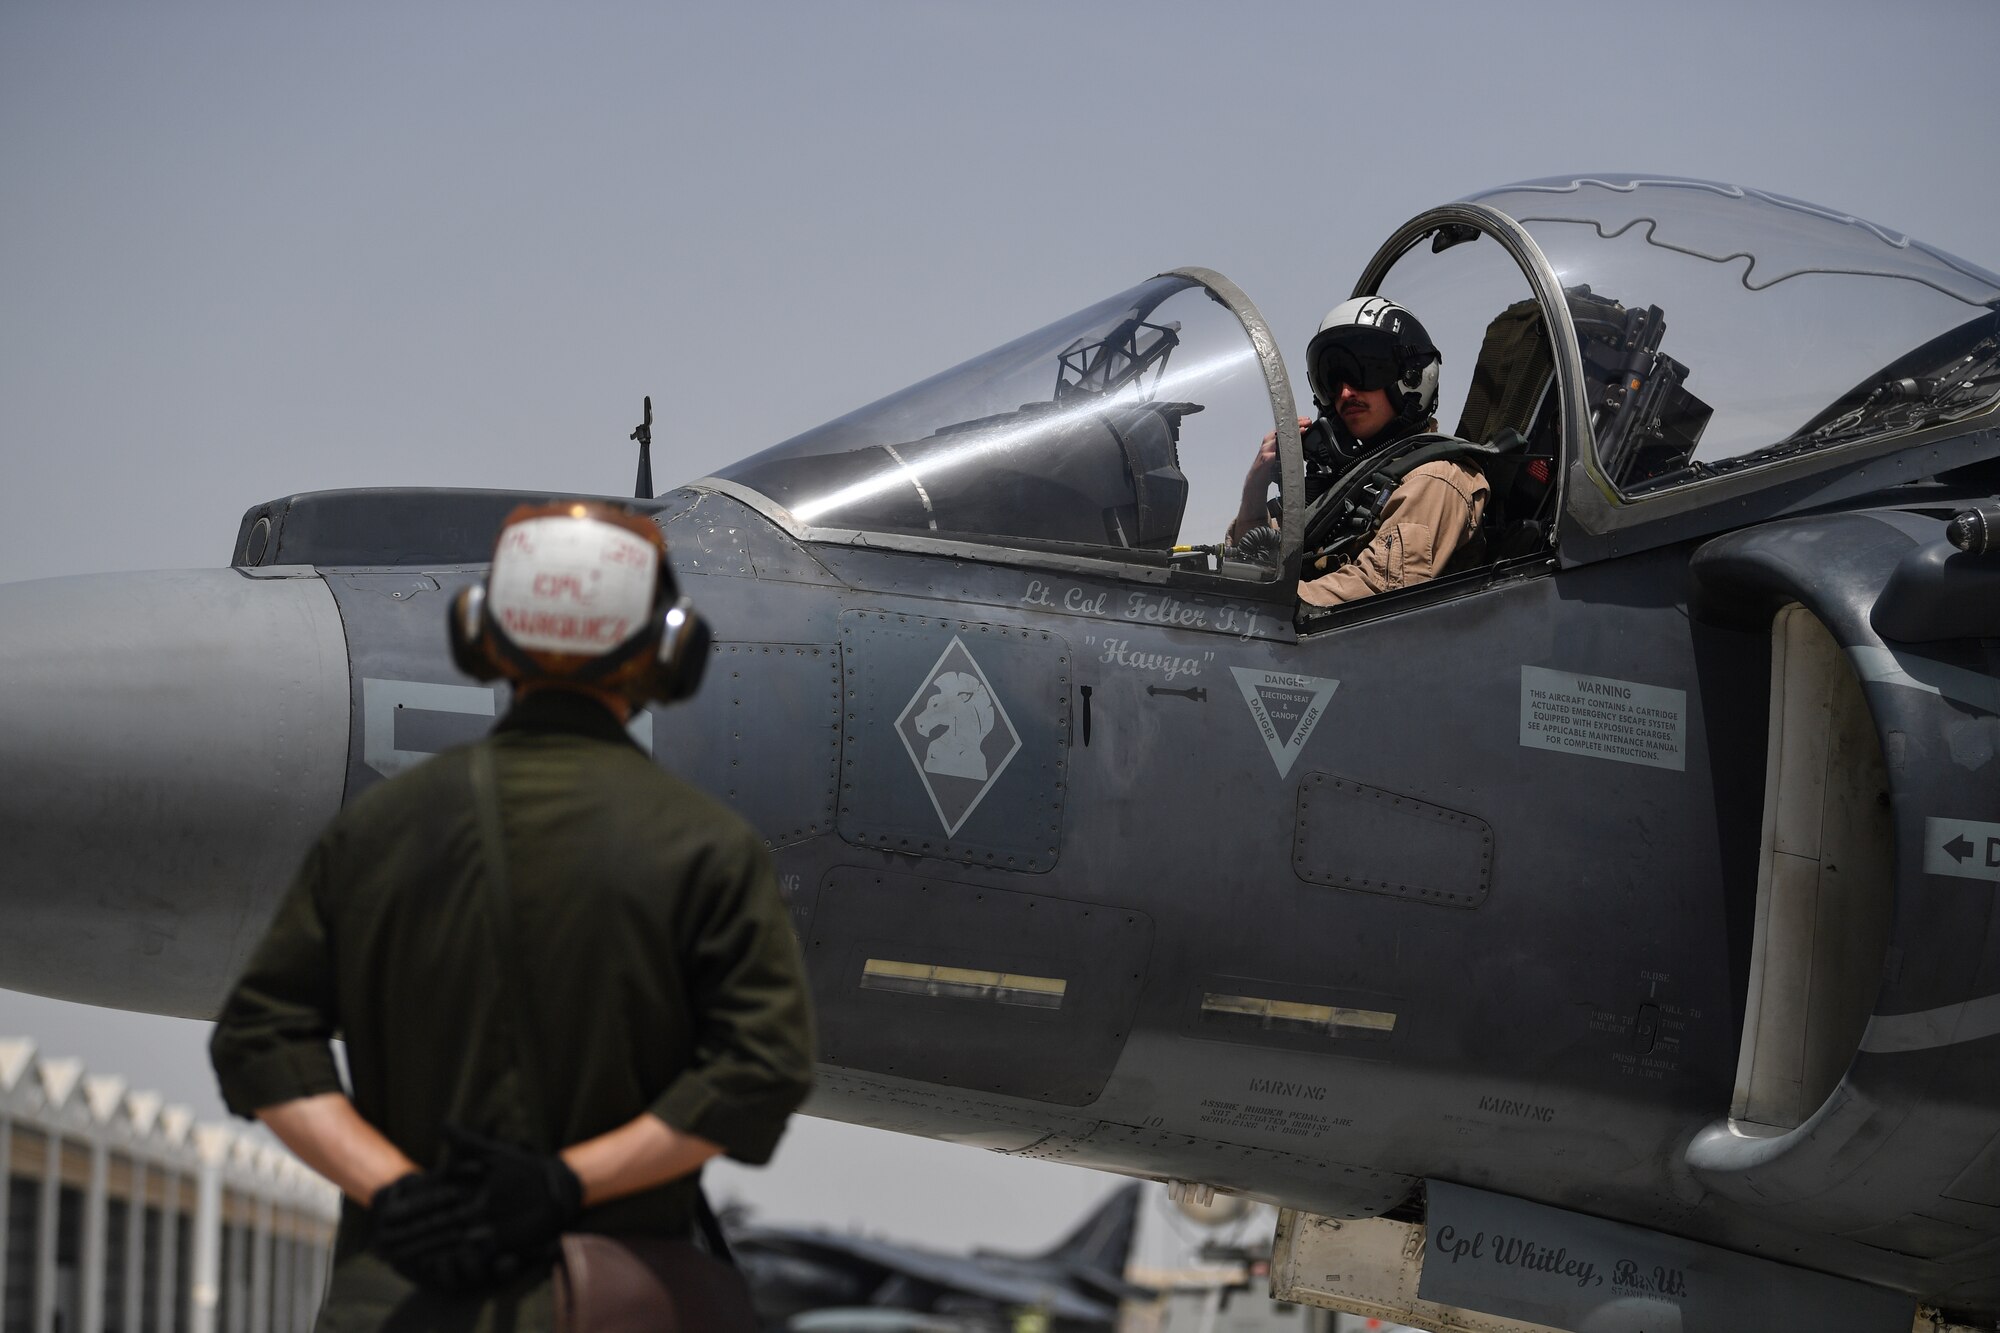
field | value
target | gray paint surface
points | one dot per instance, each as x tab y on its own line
762	689
979	781
1060	1053
175	714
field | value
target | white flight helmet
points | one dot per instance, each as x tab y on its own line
1370	342
581	594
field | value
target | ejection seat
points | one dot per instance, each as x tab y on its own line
1512	405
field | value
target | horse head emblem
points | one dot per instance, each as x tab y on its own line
962	711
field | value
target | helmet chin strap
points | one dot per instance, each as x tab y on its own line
1345	442
1410	419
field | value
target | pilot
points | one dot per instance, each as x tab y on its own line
1374	377
565	978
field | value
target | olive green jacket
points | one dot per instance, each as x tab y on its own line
649	948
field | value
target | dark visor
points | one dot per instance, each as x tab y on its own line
1355	355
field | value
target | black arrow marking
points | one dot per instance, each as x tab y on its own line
1198	693
1959	849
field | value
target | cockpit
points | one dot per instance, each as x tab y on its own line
1625	347
1721	328
1088	435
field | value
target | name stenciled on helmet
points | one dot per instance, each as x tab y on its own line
567	584
556	629
581	595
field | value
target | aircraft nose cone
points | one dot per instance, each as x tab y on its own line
170	744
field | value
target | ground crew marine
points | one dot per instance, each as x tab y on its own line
646	975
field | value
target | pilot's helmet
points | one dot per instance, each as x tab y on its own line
581	595
1370	342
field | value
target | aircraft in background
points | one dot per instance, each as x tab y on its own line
852	1282
1627	893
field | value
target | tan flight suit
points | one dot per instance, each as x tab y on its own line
1429	516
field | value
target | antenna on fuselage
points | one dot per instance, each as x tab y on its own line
642	487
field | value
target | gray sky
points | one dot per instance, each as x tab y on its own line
250	249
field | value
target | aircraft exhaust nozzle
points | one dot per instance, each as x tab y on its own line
171	744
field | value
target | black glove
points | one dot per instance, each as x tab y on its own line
522	1201
423	1225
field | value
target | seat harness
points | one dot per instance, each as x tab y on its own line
1346	516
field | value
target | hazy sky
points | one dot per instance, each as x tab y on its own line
250	249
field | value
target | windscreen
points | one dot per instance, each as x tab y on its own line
1126	425
1722	327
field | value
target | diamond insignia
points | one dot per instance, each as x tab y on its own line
957	733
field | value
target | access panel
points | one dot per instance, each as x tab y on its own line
974	987
955	738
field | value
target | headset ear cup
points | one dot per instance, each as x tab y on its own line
683	653
466	623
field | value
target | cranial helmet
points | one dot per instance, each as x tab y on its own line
581	594
1370	342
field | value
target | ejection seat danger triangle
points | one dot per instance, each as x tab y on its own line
1286	707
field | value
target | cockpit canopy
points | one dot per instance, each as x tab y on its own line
1721	327
1721	335
1090	433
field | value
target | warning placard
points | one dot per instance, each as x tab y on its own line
1287	708
1608	719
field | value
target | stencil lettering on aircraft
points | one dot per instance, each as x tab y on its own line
1149	608
958	735
1286	707
1520	1110
1277	1087
1621	720
1265	1118
1119	652
1964	848
1073	599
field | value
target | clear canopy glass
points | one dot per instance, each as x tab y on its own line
1125	426
1722	327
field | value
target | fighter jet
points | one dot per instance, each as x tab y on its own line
1077	1284
1601	934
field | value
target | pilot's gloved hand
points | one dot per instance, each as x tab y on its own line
424	1225
522	1200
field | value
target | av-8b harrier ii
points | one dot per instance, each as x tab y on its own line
1600	935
